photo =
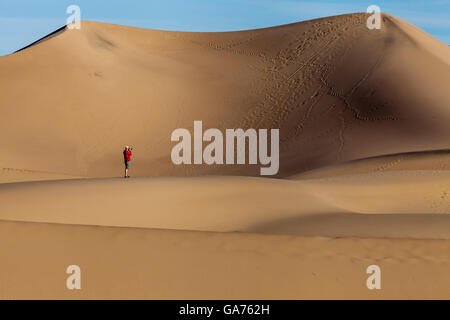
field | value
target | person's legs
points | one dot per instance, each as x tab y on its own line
127	166
126	169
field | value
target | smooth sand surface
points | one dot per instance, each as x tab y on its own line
364	163
228	204
162	264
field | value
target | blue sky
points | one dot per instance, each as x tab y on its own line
24	21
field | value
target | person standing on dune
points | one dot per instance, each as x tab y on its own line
127	158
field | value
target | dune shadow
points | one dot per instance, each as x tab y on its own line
420	226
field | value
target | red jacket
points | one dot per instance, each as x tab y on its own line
128	155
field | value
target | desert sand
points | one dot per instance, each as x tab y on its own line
364	163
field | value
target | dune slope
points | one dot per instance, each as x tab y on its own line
410	204
334	88
128	263
437	160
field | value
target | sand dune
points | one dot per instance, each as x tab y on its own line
334	88
364	163
228	204
437	160
131	263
